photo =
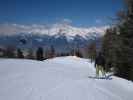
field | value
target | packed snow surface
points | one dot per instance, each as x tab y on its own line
61	78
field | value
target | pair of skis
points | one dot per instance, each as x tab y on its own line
107	77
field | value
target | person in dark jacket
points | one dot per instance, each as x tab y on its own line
100	64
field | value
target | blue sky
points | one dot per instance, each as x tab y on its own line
79	12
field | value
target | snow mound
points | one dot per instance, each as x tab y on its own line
61	78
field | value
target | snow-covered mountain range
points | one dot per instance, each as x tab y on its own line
61	35
52	30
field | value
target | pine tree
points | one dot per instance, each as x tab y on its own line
72	52
109	48
39	54
52	52
20	53
10	52
2	52
78	53
92	51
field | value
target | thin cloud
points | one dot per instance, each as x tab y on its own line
67	20
98	21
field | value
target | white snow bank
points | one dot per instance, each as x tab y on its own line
62	78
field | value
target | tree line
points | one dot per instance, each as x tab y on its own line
117	45
39	54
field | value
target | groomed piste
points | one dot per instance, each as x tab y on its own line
61	78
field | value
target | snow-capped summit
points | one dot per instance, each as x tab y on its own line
71	31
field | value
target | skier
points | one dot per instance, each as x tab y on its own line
100	64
